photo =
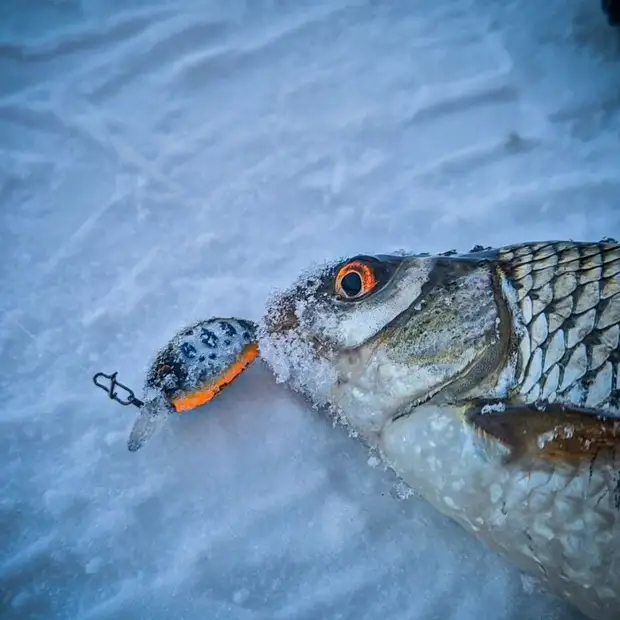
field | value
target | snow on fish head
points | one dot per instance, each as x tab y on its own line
372	335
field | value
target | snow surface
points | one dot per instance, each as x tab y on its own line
168	161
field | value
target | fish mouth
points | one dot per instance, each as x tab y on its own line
323	375
297	362
295	356
281	316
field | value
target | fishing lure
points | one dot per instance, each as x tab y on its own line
193	368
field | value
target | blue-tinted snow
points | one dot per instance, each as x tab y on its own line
165	161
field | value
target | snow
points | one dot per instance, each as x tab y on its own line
165	162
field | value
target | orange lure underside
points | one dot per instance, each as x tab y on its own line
204	395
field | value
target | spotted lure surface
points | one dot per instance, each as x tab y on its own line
195	366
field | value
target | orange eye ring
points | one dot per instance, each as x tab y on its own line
354	280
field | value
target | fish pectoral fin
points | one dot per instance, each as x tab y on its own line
552	432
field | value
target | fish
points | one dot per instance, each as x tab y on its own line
488	381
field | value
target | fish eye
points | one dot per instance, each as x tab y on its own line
354	280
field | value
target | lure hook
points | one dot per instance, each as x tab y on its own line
109	388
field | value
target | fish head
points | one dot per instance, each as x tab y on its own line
374	335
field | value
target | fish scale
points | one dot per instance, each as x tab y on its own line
568	303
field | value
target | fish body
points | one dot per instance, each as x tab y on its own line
489	383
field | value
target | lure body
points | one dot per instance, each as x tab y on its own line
196	365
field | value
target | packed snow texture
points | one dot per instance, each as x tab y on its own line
164	162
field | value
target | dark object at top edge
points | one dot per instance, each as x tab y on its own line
611	8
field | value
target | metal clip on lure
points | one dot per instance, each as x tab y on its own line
193	368
110	389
